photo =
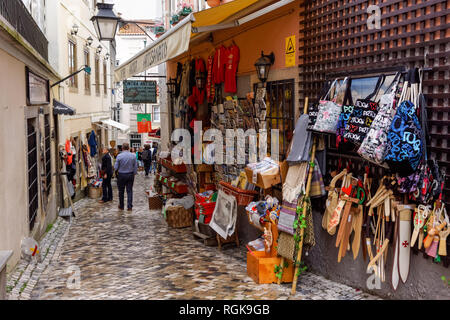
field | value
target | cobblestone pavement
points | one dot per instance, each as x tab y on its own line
123	255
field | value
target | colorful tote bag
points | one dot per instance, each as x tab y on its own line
313	108
363	114
328	114
342	144
405	144
373	147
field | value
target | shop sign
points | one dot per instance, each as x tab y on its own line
137	91
38	88
290	51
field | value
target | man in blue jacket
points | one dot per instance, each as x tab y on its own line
126	167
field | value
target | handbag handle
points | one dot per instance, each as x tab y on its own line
378	86
348	100
339	90
327	95
394	84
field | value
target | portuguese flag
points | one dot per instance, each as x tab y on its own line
144	122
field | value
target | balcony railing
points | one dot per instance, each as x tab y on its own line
15	12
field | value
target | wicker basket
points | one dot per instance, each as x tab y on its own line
95	193
154	203
179	217
243	197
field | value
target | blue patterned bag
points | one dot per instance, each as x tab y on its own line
405	146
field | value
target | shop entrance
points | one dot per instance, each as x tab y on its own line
280	102
32	168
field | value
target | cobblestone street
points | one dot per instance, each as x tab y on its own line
123	255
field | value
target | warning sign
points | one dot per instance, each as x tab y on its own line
290	52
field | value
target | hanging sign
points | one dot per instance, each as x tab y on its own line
144	122
38	91
290	52
165	48
137	91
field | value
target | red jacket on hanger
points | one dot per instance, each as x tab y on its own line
219	65
232	62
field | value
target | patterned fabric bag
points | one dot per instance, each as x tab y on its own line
373	147
405	147
363	114
342	144
328	114
313	108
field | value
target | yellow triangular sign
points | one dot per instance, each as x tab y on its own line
290	46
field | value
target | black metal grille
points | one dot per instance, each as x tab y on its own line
15	12
335	38
33	195
48	167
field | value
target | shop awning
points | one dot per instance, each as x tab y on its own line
170	45
116	124
61	108
176	41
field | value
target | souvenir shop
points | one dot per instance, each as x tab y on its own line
356	192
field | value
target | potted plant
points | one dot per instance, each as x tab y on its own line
175	19
185	10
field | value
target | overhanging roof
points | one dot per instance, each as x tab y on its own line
116	124
62	108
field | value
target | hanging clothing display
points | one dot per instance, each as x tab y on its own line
301	143
68	149
92	143
231	66
219	65
210	88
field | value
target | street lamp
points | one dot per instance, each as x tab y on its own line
89	40
74	30
99	49
107	56
105	22
263	65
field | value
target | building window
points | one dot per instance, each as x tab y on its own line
48	162
87	76
97	75
73	81
32	169
280	104
105	79
156	115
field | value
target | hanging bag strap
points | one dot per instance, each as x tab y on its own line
378	86
327	95
348	100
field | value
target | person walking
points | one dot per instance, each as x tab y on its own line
126	166
147	158
139	159
107	172
154	152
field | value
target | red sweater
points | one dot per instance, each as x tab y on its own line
219	65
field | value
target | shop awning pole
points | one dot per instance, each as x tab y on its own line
303	213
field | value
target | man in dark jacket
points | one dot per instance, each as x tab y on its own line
147	158
107	172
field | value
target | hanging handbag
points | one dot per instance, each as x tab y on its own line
313	108
373	147
405	147
342	143
364	112
328	113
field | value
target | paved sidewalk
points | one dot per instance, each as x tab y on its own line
121	255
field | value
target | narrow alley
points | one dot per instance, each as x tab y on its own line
123	255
